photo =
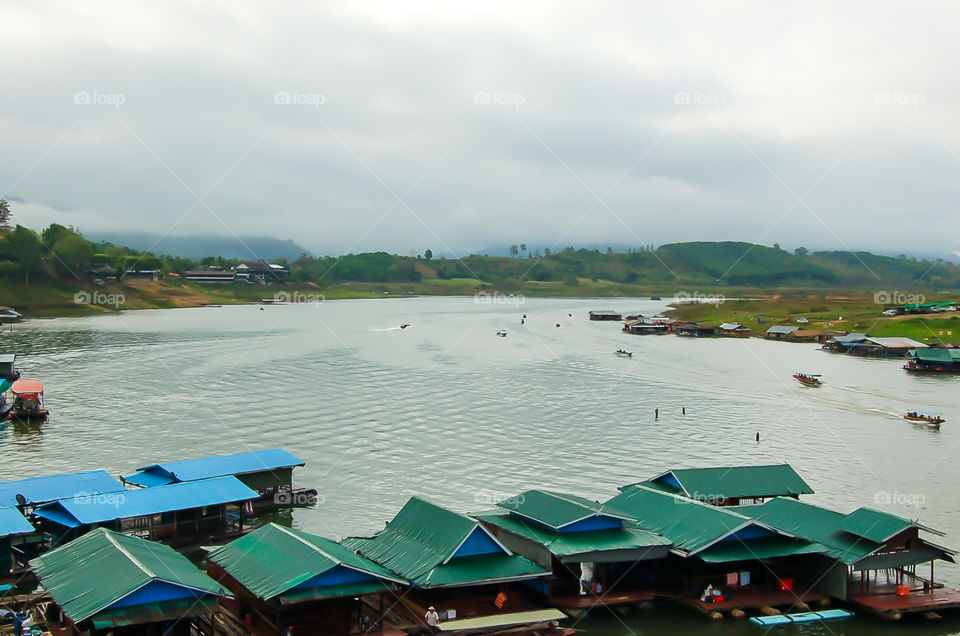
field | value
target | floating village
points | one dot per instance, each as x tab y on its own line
176	548
182	546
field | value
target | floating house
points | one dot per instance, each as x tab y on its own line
722	560
283	578
608	314
780	332
862	344
105	582
8	369
24	495
932	360
269	472
178	514
642	326
455	564
13	526
576	537
733	329
731	485
867	547
9	314
692	329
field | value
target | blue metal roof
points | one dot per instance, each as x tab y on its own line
12	522
207	467
37	490
86	510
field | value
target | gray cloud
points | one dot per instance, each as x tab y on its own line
495	124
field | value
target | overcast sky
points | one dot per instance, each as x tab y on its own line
458	126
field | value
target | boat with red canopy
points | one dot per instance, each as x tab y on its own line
27	401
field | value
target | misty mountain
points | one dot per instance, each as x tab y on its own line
200	246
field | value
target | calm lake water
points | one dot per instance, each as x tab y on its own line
447	410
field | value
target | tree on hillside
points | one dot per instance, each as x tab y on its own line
74	253
514	251
4	216
523	247
800	251
428	254
26	245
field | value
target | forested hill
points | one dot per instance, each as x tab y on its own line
61	253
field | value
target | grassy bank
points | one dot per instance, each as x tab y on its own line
841	313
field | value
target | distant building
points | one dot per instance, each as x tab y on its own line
734	329
780	332
261	271
605	315
211	276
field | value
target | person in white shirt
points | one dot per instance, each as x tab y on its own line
433	619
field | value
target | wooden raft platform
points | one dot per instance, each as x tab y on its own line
587	601
888	604
752	599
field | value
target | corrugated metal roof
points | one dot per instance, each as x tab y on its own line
691	525
629	539
274	559
419	545
874	525
731	551
897	343
146	501
554	509
731	326
13	523
207	467
94	572
37	490
782	329
938	356
735	482
813	523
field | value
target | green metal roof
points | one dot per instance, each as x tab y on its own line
629	538
359	588
555	509
93	572
813	523
690	524
420	542
482	568
729	551
733	482
935	356
274	559
874	525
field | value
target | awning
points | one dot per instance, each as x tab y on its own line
889	560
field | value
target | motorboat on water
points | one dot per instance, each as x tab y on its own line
27	401
502	333
808	379
624	354
930	418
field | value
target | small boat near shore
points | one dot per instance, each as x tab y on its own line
930	418
27	401
808	379
624	354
